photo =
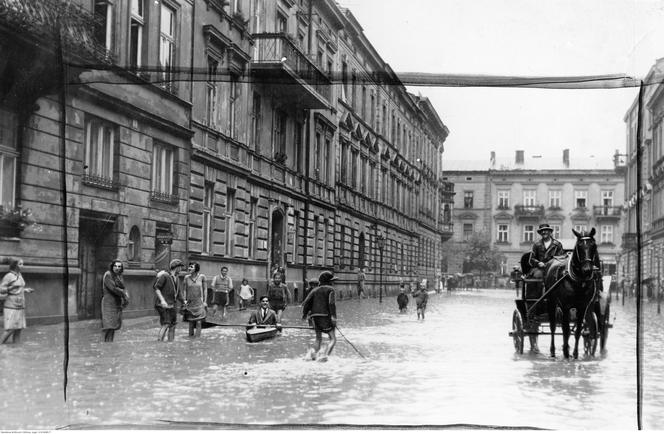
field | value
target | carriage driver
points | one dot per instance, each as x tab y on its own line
543	251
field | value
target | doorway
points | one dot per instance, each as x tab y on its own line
277	252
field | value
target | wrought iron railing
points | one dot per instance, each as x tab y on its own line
278	48
607	211
529	210
100	181
46	19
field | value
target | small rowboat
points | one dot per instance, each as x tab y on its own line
261	334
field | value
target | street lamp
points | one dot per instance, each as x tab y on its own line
381	244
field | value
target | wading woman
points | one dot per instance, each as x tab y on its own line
195	289
13	288
115	298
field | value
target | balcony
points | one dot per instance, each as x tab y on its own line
45	19
629	240
529	212
446	231
289	73
606	213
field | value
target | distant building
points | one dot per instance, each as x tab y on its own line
508	199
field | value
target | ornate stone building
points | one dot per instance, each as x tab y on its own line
254	134
508	199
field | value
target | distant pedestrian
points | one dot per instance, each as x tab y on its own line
195	306
246	294
421	297
320	307
402	300
13	289
221	285
115	298
361	279
278	295
167	294
515	276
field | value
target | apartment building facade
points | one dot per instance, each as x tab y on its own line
644	185
507	200
226	133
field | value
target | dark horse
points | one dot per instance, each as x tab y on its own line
575	283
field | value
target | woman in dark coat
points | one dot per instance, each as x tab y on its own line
114	299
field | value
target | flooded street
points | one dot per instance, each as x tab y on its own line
456	367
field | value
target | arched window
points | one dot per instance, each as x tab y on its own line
134	245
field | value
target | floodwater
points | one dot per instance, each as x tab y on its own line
456	367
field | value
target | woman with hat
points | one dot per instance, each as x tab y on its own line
544	250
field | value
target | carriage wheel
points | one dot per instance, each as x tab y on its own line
517	331
604	333
590	334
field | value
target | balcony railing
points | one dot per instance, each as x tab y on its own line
529	211
277	48
46	19
600	211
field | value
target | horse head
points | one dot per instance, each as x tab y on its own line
584	257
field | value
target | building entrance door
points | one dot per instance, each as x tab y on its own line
94	239
277	237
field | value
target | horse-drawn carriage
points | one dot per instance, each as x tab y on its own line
570	296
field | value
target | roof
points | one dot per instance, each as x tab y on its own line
541	162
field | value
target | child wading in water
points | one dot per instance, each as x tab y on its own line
246	294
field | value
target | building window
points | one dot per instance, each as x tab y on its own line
606	234
467	199
137	21
580	198
234	96
100	144
253	207
344	80
555	199
528	233
324	164
503	199
211	93
315	241
467	231
503	233
317	155
8	157
353	171
529	197
103	12
256	121
163	171
167	46
134	245
607	198
280	132
282	23
208	216
364	103
580	228
372	109
556	231
230	220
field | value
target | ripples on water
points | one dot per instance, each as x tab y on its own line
458	366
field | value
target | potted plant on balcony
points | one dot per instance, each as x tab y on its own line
280	157
14	220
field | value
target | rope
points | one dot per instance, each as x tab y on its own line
350	343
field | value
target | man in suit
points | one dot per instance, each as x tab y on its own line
544	250
263	316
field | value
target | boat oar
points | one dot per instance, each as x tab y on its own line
349	342
261	326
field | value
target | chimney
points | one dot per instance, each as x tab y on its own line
492	160
519	158
566	158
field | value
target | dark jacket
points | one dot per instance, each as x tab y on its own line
320	302
541	254
258	318
168	287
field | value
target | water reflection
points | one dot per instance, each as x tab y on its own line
456	367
